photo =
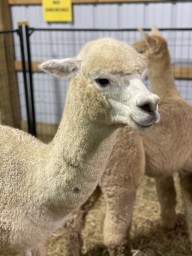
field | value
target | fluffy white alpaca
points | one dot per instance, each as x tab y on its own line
40	185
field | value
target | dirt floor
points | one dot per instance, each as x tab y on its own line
147	233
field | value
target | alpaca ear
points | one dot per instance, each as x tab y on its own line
152	43
61	68
143	33
148	39
155	31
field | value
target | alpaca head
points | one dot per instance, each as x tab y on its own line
107	83
152	46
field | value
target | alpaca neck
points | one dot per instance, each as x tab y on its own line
161	77
76	160
76	139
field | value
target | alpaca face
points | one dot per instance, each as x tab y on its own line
124	99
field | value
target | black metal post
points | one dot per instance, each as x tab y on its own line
27	76
30	73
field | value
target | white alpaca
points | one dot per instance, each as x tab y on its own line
40	185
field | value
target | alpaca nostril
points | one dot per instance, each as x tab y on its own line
146	108
148	104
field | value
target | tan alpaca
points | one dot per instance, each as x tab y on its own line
165	154
162	150
40	185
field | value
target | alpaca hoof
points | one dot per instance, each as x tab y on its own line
169	220
170	226
98	250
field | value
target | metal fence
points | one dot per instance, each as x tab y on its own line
42	97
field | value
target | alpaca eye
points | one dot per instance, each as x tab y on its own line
103	82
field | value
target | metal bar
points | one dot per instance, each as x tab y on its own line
30	87
26	78
110	30
24	72
38	2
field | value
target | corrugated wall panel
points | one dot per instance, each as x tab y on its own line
84	16
158	14
184	14
113	15
106	16
131	16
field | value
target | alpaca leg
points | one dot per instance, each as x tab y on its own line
167	199
73	226
186	186
73	234
26	253
119	183
118	222
40	251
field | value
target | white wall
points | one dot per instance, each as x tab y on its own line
123	15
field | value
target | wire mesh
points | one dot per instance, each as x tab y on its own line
50	92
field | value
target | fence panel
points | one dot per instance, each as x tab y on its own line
50	92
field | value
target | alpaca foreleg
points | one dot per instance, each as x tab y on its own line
75	224
167	199
186	187
118	221
40	251
72	238
123	175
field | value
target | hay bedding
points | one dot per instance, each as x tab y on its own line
147	233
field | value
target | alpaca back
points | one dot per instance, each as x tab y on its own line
172	134
161	71
168	144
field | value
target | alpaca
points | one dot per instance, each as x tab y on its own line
160	151
166	151
42	184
